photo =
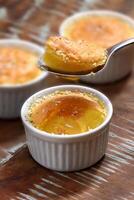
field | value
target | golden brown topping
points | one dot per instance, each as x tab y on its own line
17	65
102	30
67	113
66	55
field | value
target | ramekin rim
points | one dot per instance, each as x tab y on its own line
26	43
56	136
90	12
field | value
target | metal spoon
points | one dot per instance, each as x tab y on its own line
110	58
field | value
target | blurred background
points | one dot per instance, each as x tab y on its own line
36	19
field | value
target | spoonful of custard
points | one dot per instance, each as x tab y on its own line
65	56
78	58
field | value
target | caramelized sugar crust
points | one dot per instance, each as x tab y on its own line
66	55
17	65
67	113
102	30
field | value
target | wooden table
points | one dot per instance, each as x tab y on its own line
20	176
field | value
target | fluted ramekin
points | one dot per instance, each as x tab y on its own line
123	61
13	96
67	152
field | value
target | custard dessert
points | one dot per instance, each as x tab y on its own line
17	65
67	56
67	112
104	30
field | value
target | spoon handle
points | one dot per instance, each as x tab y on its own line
120	45
119	63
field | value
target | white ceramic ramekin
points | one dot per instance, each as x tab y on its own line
67	152
13	96
123	61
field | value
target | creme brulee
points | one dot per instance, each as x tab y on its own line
68	56
17	65
67	112
105	31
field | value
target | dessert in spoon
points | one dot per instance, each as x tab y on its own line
77	58
72	57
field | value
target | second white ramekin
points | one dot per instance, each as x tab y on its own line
13	96
123	61
67	152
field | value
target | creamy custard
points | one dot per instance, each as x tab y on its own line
67	56
67	112
17	65
102	30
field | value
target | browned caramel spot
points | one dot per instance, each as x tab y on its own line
102	30
67	114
